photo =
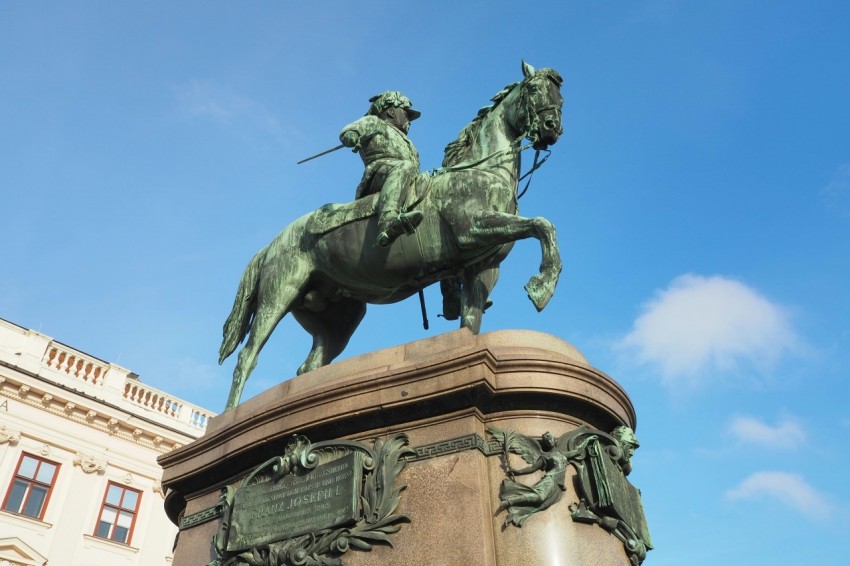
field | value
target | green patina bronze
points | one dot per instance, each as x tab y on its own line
601	462
313	504
391	161
406	230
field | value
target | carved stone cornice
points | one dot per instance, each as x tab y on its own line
86	415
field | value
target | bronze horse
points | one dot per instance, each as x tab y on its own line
325	267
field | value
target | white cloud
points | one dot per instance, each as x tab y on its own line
702	324
790	489
787	434
205	99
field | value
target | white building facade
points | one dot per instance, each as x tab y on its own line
79	438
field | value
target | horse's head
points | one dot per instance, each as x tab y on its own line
530	108
541	101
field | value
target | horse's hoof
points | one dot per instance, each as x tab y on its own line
539	292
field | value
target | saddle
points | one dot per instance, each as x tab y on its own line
332	216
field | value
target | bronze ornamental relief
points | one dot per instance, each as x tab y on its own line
311	505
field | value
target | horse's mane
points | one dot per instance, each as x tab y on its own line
456	151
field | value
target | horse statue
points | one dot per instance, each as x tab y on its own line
325	266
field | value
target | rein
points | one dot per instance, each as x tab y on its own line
515	147
537	165
532	117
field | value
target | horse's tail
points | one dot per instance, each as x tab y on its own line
238	324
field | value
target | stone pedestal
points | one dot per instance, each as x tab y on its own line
443	393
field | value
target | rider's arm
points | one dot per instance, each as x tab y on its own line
359	132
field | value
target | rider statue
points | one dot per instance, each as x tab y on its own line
392	163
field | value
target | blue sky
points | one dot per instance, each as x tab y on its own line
701	192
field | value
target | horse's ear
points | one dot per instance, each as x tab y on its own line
527	70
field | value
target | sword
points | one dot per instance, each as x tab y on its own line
327	151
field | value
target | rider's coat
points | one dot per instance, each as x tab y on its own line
384	149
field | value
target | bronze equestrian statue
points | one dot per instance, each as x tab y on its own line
327	265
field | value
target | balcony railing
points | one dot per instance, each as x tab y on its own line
65	366
75	364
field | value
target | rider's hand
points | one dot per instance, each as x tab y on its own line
351	139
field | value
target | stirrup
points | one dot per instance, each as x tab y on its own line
410	220
405	223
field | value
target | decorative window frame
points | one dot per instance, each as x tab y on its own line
118	509
16	475
16	552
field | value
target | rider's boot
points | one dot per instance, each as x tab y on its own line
450	288
403	223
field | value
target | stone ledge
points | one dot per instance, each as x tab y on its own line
493	372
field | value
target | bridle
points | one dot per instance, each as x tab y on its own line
532	115
531	112
532	118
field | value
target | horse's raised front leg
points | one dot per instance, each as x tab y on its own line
491	228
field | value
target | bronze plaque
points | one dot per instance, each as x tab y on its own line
268	511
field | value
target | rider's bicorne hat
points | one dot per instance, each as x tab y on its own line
389	99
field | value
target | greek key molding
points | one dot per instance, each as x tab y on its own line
200	517
424	452
459	444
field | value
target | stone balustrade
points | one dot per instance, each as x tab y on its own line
155	400
62	365
75	364
150	398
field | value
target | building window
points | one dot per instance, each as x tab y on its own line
31	486
118	513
